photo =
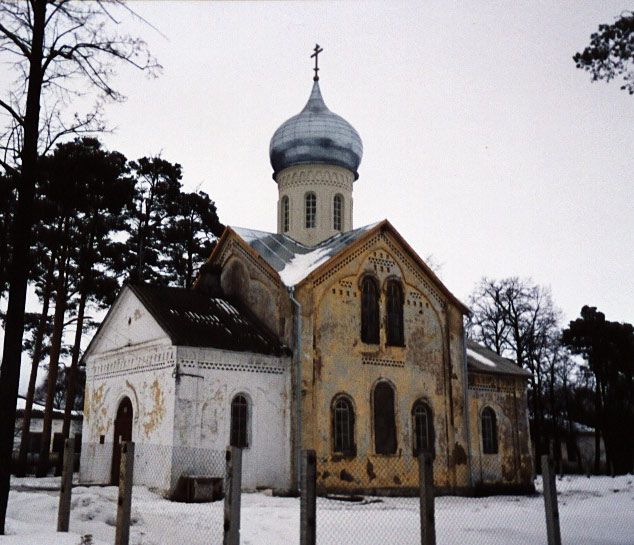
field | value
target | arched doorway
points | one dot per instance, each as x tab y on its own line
122	432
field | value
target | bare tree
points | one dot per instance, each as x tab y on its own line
518	319
58	49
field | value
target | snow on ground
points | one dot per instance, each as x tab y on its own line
593	511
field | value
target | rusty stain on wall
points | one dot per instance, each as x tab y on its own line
154	417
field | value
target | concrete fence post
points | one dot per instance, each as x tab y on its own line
124	502
63	512
426	491
233	484
308	501
550	502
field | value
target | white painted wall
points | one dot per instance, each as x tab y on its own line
131	356
325	181
203	409
181	414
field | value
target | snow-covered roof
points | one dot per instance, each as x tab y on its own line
37	410
290	259
582	428
481	359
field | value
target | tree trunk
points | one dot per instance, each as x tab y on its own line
597	428
72	375
56	344
35	363
19	270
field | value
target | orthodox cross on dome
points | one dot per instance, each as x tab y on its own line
317	51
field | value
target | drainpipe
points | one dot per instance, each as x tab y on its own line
298	358
466	403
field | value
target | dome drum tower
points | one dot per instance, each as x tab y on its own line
315	156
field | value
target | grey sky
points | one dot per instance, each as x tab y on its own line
484	145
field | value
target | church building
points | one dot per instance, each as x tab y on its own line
319	336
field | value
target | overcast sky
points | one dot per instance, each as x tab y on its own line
483	144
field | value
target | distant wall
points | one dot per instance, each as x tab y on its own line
506	396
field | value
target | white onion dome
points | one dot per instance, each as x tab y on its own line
316	135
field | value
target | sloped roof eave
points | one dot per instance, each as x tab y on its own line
385	224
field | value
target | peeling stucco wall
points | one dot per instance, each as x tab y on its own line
129	359
208	381
506	395
428	367
249	280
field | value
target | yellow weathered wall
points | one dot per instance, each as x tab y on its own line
336	361
507	397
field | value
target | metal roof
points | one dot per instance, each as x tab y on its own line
316	135
292	260
193	319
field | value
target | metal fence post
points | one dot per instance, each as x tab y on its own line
63	512
308	502
124	503
426	491
233	484
550	502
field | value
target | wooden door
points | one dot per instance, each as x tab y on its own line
122	432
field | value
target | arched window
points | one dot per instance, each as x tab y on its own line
384	419
343	425
286	214
239	422
310	210
489	432
369	311
422	425
394	313
337	208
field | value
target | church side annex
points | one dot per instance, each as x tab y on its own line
318	336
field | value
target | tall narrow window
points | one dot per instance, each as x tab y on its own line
394	313
489	432
343	425
239	421
337	207
423	427
286	213
369	311
311	210
384	419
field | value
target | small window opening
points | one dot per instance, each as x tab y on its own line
337	213
343	426
285	214
239	415
489	432
369	311
423	428
311	210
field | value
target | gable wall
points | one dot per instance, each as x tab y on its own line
430	366
247	279
129	323
133	358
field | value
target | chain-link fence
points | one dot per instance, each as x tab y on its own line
175	498
368	502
